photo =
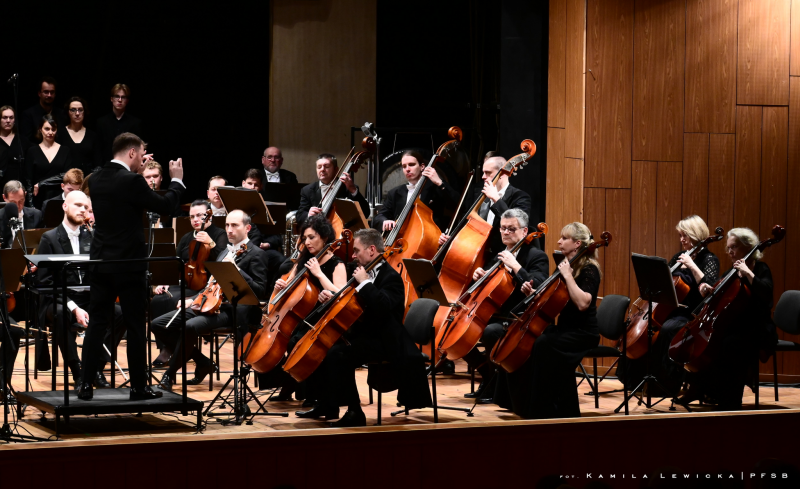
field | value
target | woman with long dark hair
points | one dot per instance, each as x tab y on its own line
47	159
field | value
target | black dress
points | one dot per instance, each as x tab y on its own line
545	386
86	155
9	159
40	168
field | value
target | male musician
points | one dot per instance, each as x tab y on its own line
272	160
274	242
73	179
71	238
253	267
311	195
153	174
499	198
377	335
118	121
31	218
214	183
436	194
122	195
527	265
32	116
253	179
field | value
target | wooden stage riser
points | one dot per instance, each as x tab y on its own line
762	376
421	456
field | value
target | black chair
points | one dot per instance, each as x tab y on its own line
787	319
611	323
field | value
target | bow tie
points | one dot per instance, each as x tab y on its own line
276	174
232	248
410	187
74	234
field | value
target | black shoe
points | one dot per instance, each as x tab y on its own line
351	419
85	391
478	393
166	383
76	368
144	394
100	381
319	412
448	367
158	363
200	373
485	400
281	398
309	403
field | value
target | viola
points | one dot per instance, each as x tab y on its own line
194	270
286	309
415	223
698	342
540	311
636	334
338	315
479	303
209	299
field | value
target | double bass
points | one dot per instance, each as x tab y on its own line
636	335
480	302
286	309
415	223
338	315
540	311
194	271
698	341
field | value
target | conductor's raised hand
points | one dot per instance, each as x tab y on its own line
176	169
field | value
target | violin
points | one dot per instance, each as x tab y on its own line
415	223
698	342
194	271
286	309
338	315
479	303
209	299
636	334
540	311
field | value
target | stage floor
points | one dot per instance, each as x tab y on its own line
451	388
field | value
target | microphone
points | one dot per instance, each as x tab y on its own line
368	129
13	78
10	215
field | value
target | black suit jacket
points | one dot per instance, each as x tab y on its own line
285	175
253	265
535	266
311	196
119	197
58	200
436	198
108	128
513	198
31	219
215	233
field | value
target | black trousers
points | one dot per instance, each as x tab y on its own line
66	337
164	304
9	349
130	288
196	325
337	373
480	360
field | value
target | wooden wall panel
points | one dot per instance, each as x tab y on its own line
315	64
616	273
643	213
695	175
763	59
792	241
594	216
748	167
774	147
556	62
668	210
711	65
721	171
794	53
609	93
658	80
554	203
575	78
572	206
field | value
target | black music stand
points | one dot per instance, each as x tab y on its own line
248	201
283	192
426	282
53	214
351	214
12	263
31	238
236	289
655	285
160	235
277	210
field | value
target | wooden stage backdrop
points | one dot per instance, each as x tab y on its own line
659	109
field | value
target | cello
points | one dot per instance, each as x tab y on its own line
540	311
637	316
415	223
286	309
480	302
338	315
697	342
194	271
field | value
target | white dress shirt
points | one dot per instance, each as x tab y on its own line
490	216
273	177
411	187
75	240
372	274
230	251
218	211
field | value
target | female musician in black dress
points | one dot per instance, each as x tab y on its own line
83	143
724	380
562	346
13	147
47	159
328	274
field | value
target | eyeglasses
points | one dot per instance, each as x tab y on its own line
119	97
76	110
508	230
273	157
731	248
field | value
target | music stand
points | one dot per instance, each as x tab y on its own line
31	237
283	192
236	289
160	235
655	285
53	214
277	210
351	214
248	201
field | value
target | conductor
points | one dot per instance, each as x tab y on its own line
120	195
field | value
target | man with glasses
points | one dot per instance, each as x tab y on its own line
272	160
32	117
118	121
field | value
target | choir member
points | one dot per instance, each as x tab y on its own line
46	159
118	121
83	143
13	147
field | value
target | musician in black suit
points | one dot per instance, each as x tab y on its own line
272	160
118	121
13	191
120	196
71	238
436	194
73	179
378	335
529	265
311	195
253	266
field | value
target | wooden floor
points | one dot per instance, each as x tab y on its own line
451	390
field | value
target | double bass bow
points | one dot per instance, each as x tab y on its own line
194	270
286	309
699	340
480	302
540	311
636	334
338	315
